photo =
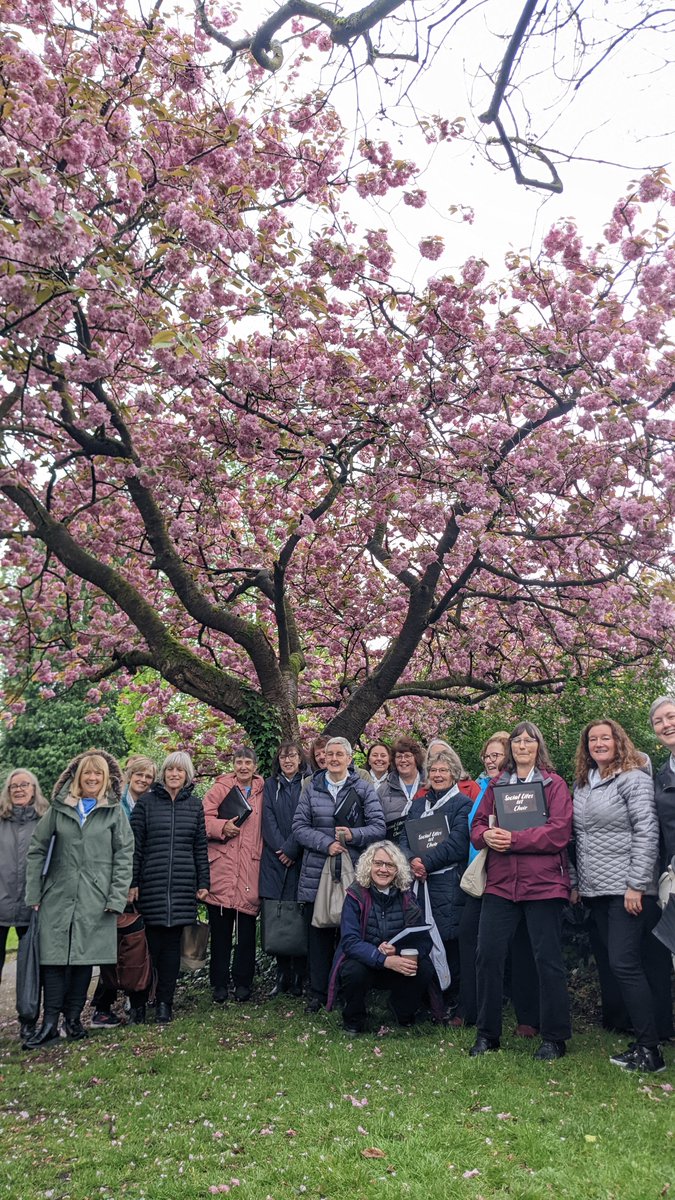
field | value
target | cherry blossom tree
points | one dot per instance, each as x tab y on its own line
239	451
394	43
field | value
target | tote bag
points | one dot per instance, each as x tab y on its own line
337	874
284	928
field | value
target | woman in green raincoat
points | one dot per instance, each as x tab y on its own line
78	876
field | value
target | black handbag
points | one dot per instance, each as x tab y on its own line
284	928
28	972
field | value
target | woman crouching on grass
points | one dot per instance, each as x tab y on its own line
379	906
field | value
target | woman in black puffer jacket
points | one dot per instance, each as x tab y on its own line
171	868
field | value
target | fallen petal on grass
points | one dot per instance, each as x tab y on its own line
470	1174
373	1152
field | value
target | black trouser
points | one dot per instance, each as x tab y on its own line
4	931
65	991
292	967
643	978
499	920
222	922
106	992
407	991
451	947
322	944
164	947
524	982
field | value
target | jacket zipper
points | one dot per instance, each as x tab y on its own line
168	887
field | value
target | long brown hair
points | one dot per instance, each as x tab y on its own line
543	760
627	757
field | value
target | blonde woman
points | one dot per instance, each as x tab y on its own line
379	906
21	806
78	876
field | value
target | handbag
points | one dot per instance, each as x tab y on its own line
474	879
336	876
28	972
134	965
193	945
284	928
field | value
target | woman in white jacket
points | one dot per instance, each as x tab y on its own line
617	843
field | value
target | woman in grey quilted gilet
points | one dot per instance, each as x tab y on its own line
617	844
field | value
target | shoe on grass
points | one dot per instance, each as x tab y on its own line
483	1045
104	1020
646	1059
549	1051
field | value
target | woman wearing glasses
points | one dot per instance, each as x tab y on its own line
379	907
402	785
21	806
527	881
282	854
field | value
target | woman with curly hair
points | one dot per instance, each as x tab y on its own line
379	906
617	847
403	784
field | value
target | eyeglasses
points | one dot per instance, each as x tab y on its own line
524	741
490	757
384	866
20	787
291	754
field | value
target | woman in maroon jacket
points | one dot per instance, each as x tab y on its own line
527	880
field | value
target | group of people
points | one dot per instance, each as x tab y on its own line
146	839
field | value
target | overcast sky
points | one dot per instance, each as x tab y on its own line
622	115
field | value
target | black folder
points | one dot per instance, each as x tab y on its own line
426	833
520	805
235	807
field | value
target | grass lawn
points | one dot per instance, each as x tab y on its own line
271	1103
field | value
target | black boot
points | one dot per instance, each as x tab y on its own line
45	1036
298	984
163	1013
75	1029
283	984
26	1029
137	1015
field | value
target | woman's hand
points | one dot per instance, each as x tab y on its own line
574	896
336	848
132	895
498	839
202	893
404	966
345	831
230	829
632	902
283	858
36	908
418	868
386	948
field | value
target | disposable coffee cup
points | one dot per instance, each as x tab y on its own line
411	953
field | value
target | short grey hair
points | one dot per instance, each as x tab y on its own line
659	703
448	756
364	866
340	741
181	759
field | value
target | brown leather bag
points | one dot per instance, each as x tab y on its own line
133	971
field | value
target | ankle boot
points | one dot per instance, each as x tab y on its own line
283	984
137	1015
163	1013
27	1030
45	1036
75	1029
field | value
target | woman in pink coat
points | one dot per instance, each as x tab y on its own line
235	848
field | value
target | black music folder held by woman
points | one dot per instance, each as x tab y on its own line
520	805
426	833
235	807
